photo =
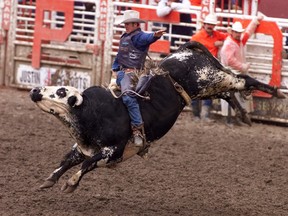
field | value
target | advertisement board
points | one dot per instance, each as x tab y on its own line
27	75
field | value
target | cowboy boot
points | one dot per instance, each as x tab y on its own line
138	137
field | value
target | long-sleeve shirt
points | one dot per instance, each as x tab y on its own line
209	40
141	41
233	53
163	10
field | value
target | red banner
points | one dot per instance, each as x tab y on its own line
6	15
103	20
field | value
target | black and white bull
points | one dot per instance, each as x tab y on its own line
100	123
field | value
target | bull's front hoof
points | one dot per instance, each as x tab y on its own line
280	94
47	184
66	188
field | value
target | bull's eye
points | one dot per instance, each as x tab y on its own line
61	92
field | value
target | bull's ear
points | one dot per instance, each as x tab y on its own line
75	100
72	101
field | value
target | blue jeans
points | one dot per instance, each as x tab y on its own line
197	104
133	109
130	100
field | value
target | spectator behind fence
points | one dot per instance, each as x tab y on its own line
166	6
233	55
212	40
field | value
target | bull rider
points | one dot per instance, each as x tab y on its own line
133	48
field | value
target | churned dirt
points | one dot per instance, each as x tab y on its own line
196	169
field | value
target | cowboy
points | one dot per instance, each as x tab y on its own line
133	48
233	56
213	40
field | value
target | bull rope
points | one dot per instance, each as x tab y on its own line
177	86
157	71
128	91
181	91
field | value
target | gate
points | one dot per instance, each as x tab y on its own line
60	43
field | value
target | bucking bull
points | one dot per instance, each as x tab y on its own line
100	122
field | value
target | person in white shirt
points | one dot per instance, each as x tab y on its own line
166	6
232	55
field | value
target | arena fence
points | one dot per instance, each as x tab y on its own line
74	43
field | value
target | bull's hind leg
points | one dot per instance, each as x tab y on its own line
73	158
105	156
240	112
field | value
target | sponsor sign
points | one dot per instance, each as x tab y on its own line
27	75
103	20
205	8
6	15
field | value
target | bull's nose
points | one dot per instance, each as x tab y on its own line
35	94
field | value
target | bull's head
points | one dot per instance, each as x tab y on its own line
55	99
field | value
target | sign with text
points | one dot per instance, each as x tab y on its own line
27	75
6	15
205	8
103	20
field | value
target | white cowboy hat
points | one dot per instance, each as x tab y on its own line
237	27
211	19
129	16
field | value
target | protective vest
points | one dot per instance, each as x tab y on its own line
128	55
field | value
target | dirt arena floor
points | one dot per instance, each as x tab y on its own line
196	169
